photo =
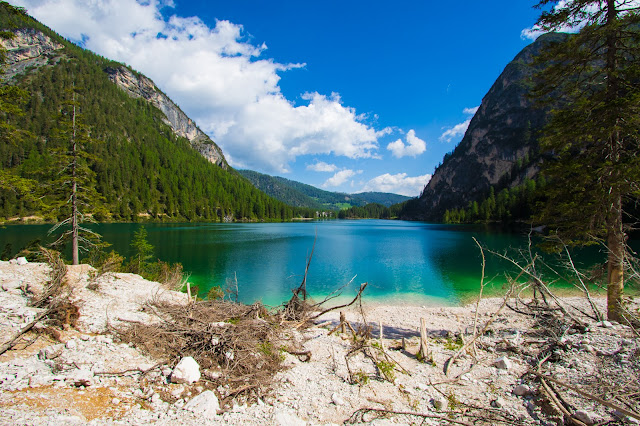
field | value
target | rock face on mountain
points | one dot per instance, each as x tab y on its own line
31	49
139	86
501	135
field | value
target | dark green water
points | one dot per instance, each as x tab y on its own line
409	262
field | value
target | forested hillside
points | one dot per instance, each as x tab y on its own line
303	195
138	165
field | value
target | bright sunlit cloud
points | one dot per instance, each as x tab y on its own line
458	130
400	183
414	147
321	166
222	81
340	178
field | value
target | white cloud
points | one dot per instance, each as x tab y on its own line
458	130
218	78
340	177
400	183
321	166
415	146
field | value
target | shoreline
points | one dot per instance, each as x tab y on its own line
85	373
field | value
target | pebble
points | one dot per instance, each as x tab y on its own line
503	363
584	416
440	403
337	399
521	390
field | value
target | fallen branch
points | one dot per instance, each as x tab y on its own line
589	396
12	342
355	299
358	416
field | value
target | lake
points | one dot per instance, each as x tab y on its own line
403	262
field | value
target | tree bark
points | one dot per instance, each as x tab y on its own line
74	192
616	260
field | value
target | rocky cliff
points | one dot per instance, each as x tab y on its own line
139	86
31	49
500	146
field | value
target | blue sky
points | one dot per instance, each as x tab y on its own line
344	95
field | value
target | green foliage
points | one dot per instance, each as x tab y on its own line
303	195
370	211
453	345
140	170
215	293
387	370
361	378
510	205
142	252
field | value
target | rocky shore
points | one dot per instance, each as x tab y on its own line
83	374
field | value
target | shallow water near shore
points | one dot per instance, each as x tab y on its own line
410	263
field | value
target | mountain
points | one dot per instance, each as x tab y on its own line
303	195
147	158
500	147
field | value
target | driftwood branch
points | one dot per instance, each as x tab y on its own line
355	299
589	396
11	343
358	416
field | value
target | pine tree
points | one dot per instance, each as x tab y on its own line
75	186
592	139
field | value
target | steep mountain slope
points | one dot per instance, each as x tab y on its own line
303	195
148	158
500	147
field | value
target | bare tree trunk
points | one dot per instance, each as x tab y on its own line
616	260
74	192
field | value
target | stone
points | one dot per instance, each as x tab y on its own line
503	363
51	352
284	418
22	261
337	399
521	390
71	344
604	324
206	405
584	416
440	403
12	285
497	403
187	371
81	378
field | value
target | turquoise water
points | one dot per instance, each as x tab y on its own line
407	262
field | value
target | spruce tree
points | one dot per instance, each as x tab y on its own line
592	138
75	185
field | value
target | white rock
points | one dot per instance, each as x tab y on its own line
187	371
497	403
521	390
12	285
584	416
71	344
206	405
22	261
337	399
604	324
503	363
284	418
81	378
51	352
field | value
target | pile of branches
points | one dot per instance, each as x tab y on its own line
240	347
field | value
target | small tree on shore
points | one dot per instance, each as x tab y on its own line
75	185
593	137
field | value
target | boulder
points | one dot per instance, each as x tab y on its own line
187	371
521	390
22	261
